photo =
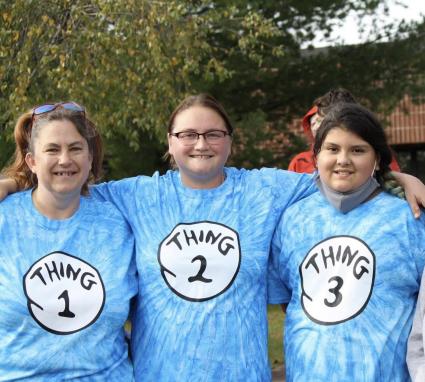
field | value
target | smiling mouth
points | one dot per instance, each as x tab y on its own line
343	172
65	173
201	156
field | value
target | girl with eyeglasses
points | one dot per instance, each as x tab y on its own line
203	234
67	271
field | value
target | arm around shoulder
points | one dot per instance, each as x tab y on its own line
414	190
7	186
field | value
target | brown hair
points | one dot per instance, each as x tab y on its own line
26	132
332	97
201	99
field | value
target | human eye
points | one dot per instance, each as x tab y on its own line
359	150
187	135
51	149
75	148
215	134
331	149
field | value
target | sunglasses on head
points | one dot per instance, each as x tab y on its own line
49	107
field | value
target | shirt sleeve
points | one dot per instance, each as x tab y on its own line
277	290
121	193
292	187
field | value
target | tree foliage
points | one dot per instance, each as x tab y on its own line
131	61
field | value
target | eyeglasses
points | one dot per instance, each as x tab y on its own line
189	138
48	107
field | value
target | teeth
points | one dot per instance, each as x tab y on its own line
64	173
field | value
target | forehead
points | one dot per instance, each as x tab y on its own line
198	118
60	131
340	135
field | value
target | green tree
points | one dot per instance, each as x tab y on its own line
130	62
126	61
379	73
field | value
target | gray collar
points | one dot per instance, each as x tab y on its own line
346	201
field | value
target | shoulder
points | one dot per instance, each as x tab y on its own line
16	200
266	175
390	204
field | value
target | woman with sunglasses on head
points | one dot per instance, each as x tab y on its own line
67	269
350	272
203	234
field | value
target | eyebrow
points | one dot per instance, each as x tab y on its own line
336	144
75	143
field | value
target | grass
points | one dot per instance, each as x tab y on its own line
276	317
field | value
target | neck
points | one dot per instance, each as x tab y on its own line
346	201
55	206
201	183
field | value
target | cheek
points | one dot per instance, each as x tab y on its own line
172	148
321	162
226	150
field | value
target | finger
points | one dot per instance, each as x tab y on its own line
414	206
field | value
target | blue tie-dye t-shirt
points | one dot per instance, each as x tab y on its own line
65	287
202	261
351	283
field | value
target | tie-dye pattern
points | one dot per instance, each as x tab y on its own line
223	338
97	235
370	345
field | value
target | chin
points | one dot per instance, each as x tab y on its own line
341	187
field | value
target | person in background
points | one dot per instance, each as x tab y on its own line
415	346
304	161
67	270
350	272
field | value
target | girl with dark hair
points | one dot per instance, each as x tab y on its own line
67	272
350	273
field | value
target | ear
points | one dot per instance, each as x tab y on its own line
30	161
377	159
170	144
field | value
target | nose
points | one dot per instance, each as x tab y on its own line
64	158
201	143
343	158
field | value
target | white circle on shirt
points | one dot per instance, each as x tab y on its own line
337	278
64	293
200	261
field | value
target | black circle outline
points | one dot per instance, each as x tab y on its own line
29	300
371	286
230	282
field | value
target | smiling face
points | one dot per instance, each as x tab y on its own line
345	161
60	159
201	165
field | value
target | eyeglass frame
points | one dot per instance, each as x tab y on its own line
225	133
